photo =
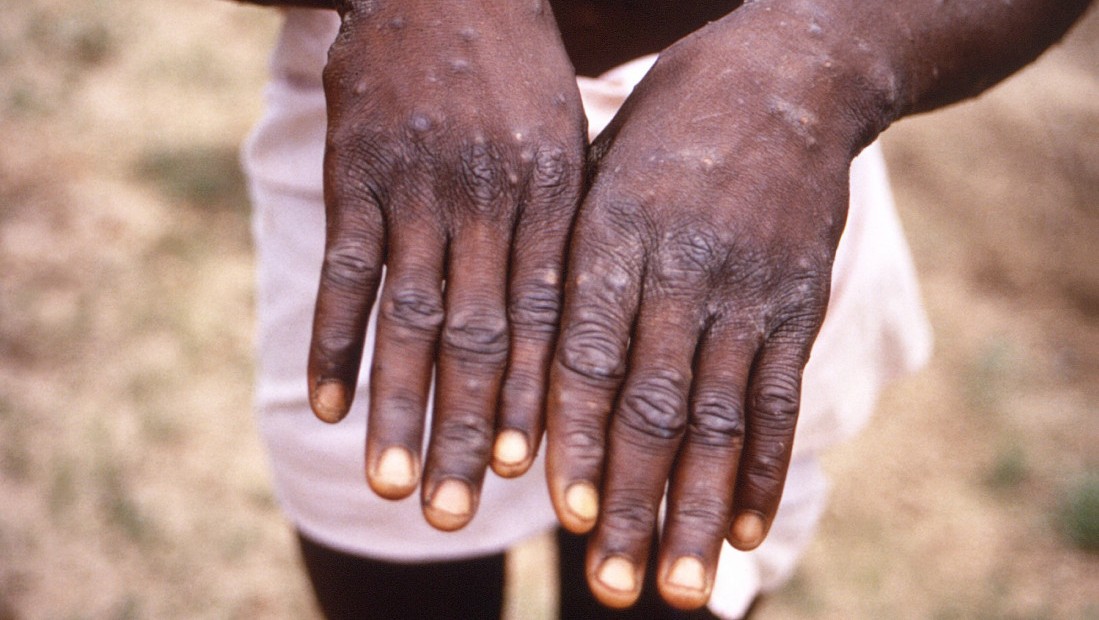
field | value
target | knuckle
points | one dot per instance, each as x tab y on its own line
627	216
522	391
689	254
535	306
348	264
414	308
585	438
612	284
463	434
742	267
398	402
476	333
704	514
776	399
805	295
527	374
582	442
797	325
717	418
551	168
796	329
349	142
630	512
654	404
556	175
764	476
337	342
356	164
591	351
482	178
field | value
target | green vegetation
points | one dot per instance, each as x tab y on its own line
1079	514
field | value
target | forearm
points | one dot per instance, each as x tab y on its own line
933	53
942	52
856	66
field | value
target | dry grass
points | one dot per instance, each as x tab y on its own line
132	484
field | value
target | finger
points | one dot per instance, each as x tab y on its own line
645	432
774	395
409	318
534	305
352	267
701	492
471	358
601	297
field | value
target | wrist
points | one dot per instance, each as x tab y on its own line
815	69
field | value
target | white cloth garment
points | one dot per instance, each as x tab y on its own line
875	329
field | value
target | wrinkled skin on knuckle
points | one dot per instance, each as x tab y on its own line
630	219
763	477
717	419
465	438
585	436
523	388
697	247
414	308
553	169
653	404
705	517
801	302
335	343
688	263
347	267
579	425
358	170
353	137
555	181
776	296
400	402
476	335
632	513
746	265
582	446
776	399
591	351
482	178
535	307
613	282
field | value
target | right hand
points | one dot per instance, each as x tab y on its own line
454	154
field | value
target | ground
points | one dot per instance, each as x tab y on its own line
132	483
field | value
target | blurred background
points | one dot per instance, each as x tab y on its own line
132	483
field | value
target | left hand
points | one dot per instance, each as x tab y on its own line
698	278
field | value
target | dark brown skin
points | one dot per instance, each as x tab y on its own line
455	167
698	260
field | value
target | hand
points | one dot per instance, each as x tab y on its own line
698	277
454	154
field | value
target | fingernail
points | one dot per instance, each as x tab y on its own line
583	501
688	573
330	401
395	469
511	448
617	573
748	530
451	504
